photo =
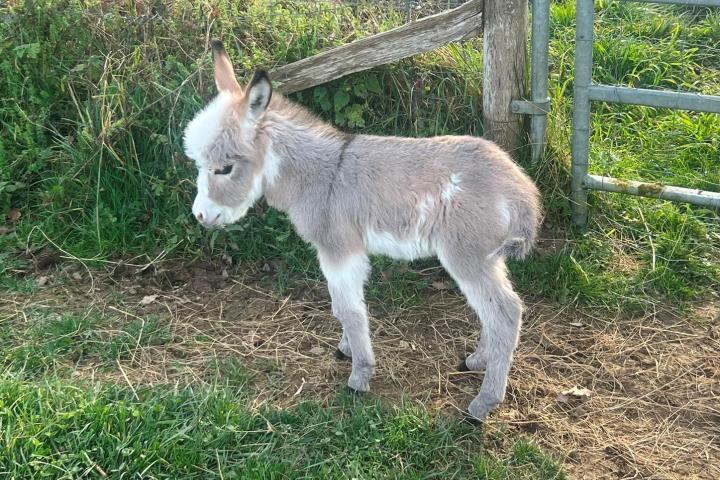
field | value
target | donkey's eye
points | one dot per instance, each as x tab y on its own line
224	171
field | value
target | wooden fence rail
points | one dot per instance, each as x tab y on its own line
502	22
411	39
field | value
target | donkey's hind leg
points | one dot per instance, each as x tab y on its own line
343	351
346	279
490	294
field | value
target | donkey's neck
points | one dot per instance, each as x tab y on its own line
299	160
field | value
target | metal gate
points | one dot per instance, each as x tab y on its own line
586	91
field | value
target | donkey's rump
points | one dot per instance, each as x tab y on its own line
411	197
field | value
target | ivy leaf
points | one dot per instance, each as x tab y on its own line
340	118
320	92
355	116
321	97
342	98
360	89
372	84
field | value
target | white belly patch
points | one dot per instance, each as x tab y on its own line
385	243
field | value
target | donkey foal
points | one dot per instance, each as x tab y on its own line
459	198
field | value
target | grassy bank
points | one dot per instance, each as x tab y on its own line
95	96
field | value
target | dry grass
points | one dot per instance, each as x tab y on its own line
654	411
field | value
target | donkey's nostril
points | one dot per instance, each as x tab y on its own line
199	216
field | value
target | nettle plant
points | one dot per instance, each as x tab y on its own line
347	103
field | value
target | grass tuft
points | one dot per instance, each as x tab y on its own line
60	430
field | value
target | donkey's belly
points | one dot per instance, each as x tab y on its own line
409	248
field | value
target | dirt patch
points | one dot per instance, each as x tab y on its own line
649	401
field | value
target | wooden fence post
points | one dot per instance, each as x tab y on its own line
504	51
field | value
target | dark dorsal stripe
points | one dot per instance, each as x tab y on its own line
349	137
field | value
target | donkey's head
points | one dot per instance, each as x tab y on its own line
222	139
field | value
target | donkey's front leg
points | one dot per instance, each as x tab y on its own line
346	276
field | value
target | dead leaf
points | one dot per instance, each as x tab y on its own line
43	280
578	412
14	215
317	350
581	393
575	324
440	285
148	299
403	344
76	276
714	330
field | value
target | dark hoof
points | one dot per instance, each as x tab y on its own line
476	422
463	367
356	393
341	356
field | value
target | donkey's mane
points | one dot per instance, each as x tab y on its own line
299	115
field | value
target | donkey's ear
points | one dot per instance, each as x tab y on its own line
224	75
259	93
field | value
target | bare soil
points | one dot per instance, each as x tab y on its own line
651	408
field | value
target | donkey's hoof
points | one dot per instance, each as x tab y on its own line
480	408
341	356
359	383
355	393
463	367
472	420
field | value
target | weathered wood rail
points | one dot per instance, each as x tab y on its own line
411	39
502	22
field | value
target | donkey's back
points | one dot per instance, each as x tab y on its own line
414	197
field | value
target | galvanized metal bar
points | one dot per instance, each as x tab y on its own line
585	12
692	3
654	190
539	73
524	107
655	98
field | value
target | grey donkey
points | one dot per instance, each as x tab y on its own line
459	198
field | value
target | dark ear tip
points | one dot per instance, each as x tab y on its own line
260	76
217	46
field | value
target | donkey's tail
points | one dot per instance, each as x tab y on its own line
515	247
522	233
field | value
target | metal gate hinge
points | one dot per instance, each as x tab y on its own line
525	107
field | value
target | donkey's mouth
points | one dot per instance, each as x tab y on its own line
227	217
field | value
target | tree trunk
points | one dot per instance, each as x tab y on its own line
504	50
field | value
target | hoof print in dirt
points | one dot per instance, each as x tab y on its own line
341	356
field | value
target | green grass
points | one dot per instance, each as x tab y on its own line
52	344
93	106
93	100
59	430
637	251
